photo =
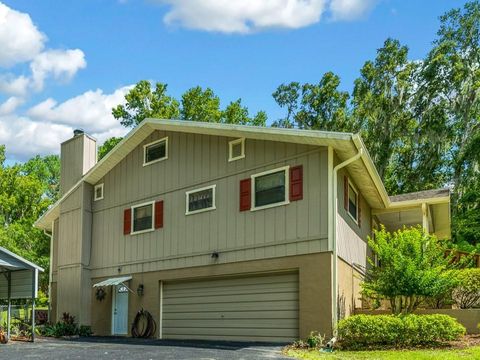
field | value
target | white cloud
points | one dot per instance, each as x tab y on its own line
91	110
247	16
62	65
10	105
350	9
243	16
11	85
20	40
46	125
25	138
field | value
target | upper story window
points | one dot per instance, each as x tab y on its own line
142	217
236	149
352	202
155	151
200	200
98	192
270	188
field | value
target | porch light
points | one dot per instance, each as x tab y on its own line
140	290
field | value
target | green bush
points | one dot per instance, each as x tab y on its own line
85	330
371	331
467	294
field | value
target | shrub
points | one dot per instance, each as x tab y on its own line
370	331
467	294
85	330
413	267
313	341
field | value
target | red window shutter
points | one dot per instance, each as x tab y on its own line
296	183
245	194
127	221
359	211
345	192
159	214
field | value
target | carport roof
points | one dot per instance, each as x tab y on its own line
11	261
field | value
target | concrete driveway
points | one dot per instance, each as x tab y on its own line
135	349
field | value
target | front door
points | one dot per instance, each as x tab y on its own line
120	310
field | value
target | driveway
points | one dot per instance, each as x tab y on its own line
95	348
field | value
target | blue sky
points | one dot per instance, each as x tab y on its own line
77	58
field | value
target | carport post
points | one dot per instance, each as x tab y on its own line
9	305
34	285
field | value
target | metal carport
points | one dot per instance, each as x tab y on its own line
18	280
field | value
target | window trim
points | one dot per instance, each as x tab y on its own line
350	184
213	207
165	139
133	207
286	169
231	144
98	186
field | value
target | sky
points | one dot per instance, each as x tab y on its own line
65	64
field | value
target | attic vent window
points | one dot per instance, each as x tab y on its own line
200	200
155	151
236	149
98	192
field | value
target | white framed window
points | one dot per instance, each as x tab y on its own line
352	202
98	192
155	151
236	149
270	188
200	200
143	216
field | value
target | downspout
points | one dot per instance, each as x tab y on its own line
334	237
50	271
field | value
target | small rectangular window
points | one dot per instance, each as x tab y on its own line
98	192
352	202
155	151
270	188
200	200
236	149
142	216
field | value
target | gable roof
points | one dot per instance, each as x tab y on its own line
421	195
11	261
346	145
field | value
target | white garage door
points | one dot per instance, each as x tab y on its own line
254	308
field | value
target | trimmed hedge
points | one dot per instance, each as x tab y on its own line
370	331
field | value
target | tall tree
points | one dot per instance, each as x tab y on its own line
381	102
200	105
319	106
143	102
451	75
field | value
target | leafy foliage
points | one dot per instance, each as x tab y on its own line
413	267
107	146
467	292
372	331
26	191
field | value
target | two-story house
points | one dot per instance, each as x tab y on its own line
221	232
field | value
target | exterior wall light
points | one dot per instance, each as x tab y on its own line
140	290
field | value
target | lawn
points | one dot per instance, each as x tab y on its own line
439	354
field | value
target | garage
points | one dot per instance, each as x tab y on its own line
253	308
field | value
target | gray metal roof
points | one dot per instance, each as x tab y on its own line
420	195
11	261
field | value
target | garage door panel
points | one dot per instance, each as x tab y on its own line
230	323
250	280
278	305
216	314
259	308
256	296
232	290
245	333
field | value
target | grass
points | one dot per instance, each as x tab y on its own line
438	354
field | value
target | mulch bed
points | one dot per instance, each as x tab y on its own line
466	342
